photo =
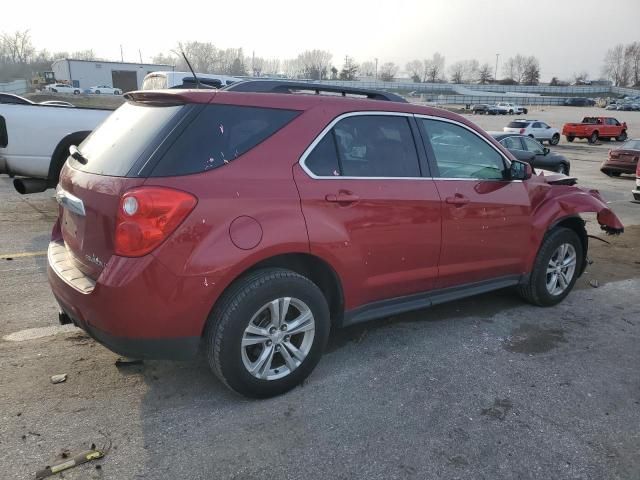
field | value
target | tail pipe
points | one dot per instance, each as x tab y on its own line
30	185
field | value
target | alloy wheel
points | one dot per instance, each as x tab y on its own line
278	338
561	269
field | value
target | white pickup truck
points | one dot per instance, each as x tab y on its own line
35	141
510	108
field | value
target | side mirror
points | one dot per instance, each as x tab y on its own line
520	170
546	150
548	127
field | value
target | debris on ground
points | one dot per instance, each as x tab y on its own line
126	361
594	283
88	455
59	378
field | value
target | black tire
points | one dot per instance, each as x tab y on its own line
525	111
563	168
54	90
97	92
622	137
555	139
531	136
593	138
232	314
535	290
76	92
570	139
615	174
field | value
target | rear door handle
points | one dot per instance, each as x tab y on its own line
457	200
342	197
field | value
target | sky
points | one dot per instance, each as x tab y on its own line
566	36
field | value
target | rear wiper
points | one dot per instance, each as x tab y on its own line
77	154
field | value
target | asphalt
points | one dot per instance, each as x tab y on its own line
485	388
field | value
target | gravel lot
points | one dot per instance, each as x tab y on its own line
484	388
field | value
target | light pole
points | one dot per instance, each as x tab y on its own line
495	76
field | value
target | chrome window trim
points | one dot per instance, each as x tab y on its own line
331	124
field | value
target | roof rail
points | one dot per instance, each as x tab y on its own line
279	86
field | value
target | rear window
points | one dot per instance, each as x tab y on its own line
219	135
116	145
518	125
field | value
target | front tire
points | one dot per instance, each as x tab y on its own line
555	269
555	139
570	139
593	138
267	332
622	137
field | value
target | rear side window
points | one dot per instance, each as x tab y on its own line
219	135
512	143
518	125
116	145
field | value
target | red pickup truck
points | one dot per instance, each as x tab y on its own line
593	128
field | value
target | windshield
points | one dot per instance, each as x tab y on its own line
154	82
631	145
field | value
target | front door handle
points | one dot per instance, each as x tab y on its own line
342	196
458	200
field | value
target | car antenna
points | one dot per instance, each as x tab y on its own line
190	68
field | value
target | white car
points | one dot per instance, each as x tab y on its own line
62	88
99	89
510	108
534	129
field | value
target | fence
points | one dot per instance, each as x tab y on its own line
447	93
17	86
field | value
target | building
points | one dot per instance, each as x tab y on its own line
90	73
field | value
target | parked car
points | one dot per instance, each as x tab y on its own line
527	149
493	110
626	107
623	159
252	224
480	108
611	106
579	102
105	89
534	129
37	138
593	128
62	88
10	98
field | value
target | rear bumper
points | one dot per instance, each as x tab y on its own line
137	307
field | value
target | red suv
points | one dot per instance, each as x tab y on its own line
252	222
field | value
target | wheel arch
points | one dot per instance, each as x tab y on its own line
60	154
316	269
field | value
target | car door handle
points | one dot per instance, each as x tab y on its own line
457	200
342	197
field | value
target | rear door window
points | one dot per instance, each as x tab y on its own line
512	143
219	135
366	146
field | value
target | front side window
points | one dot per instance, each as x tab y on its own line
533	146
366	146
460	153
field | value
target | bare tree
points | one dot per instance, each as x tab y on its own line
315	63
456	72
464	71
292	68
368	69
271	66
84	55
17	47
349	69
580	78
433	68
415	69
388	71
531	71
485	74
614	65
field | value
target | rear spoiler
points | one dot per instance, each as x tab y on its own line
170	97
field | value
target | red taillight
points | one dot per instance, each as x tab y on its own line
147	216
522	130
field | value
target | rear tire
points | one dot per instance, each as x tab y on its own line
539	288
615	174
570	139
555	139
243	310
622	137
